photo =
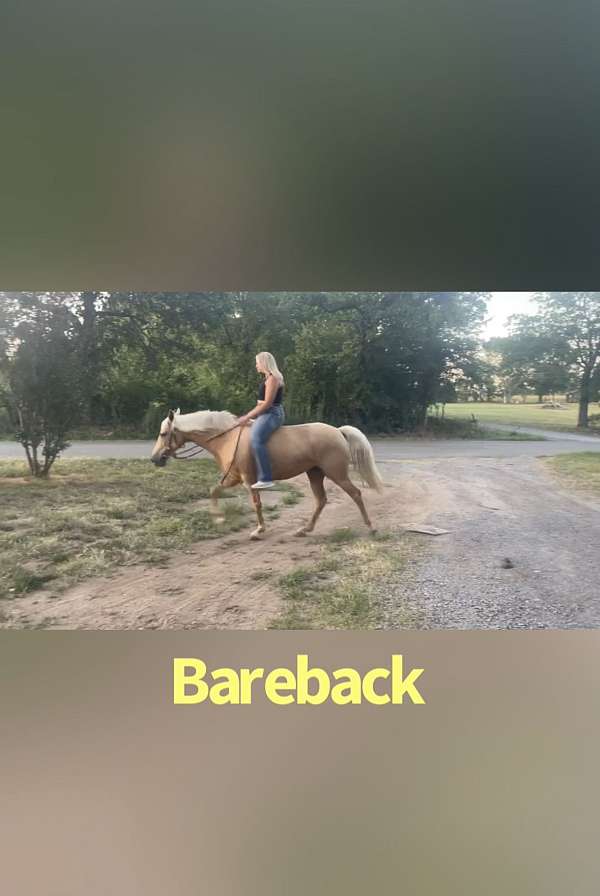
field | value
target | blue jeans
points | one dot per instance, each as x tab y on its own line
263	427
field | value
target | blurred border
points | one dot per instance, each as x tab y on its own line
318	146
108	788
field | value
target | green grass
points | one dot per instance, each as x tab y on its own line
564	419
291	495
340	591
580	471
463	428
457	428
93	516
503	435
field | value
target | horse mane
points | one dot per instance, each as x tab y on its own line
208	422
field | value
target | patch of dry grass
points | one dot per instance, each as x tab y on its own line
340	591
92	516
581	470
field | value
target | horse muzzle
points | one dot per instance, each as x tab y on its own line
160	461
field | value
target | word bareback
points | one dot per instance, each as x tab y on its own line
193	684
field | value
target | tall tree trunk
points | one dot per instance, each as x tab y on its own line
584	399
89	349
36	463
29	458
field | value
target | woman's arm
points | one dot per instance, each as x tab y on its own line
271	387
255	412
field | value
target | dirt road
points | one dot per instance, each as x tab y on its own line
521	552
222	583
385	448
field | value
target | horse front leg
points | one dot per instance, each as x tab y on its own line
216	493
215	510
255	535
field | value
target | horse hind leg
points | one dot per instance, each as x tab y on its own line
348	486
315	476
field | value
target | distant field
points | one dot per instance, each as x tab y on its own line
518	414
579	470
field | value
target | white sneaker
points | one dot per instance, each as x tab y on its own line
261	484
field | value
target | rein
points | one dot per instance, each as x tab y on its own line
195	450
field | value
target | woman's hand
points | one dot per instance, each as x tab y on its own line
244	421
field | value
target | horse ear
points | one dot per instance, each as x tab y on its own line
171	416
178	411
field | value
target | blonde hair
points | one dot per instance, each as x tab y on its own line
266	360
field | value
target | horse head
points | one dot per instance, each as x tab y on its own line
169	440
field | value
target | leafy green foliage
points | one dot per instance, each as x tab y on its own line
43	386
555	350
377	360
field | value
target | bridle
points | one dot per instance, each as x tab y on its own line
194	450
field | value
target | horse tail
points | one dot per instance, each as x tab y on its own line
362	456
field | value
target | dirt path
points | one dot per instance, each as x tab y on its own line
495	509
222	583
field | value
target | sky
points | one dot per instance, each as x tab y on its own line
501	306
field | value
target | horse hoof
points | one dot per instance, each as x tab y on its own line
300	533
256	535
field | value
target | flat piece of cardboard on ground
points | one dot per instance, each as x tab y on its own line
426	530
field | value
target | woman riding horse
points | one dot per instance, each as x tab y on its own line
268	415
317	449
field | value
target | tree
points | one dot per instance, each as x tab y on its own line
479	378
376	359
43	389
530	359
381	359
572	319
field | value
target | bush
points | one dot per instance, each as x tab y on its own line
446	427
43	392
154	416
6	427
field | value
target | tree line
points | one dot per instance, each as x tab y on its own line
555	350
377	360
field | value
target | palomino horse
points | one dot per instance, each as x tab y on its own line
316	449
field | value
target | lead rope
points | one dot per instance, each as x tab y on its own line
189	453
224	477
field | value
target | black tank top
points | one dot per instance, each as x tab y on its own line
278	397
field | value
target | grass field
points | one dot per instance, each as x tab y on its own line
93	516
518	414
580	471
340	591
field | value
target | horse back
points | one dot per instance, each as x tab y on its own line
295	449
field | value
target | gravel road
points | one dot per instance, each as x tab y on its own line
385	449
521	552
